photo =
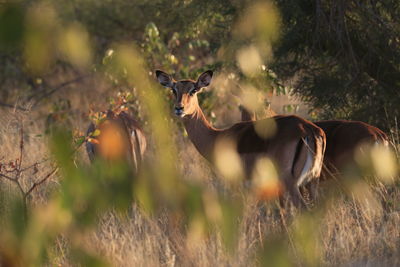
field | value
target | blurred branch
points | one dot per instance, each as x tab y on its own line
36	164
6	105
7	177
21	150
44	94
59	87
36	184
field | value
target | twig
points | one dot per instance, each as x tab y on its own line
44	95
21	150
7	177
36	164
36	184
22	191
16	169
283	220
60	86
6	105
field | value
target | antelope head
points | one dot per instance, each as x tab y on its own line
185	91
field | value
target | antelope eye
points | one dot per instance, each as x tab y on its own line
193	91
173	90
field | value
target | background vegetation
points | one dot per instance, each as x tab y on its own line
61	62
344	55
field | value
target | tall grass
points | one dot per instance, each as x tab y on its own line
343	230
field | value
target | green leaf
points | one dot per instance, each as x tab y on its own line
79	141
11	25
95	133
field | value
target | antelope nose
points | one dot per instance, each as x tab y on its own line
179	111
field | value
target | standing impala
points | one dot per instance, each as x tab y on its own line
120	137
297	147
342	140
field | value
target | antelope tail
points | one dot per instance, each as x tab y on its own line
314	147
382	139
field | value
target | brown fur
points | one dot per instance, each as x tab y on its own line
342	139
132	134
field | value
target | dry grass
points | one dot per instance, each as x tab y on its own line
347	237
348	233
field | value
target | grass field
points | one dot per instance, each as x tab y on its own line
357	226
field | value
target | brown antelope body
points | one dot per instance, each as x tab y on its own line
120	136
343	137
296	148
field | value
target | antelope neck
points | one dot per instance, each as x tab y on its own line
202	134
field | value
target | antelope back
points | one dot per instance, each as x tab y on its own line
344	137
120	137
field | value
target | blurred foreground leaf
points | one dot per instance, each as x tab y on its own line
11	25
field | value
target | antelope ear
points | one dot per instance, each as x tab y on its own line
164	79
204	79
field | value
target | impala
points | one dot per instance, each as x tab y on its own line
120	136
342	140
297	147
